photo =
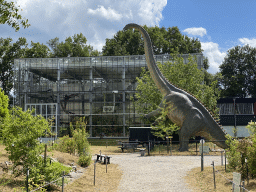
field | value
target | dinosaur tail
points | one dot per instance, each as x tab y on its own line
161	83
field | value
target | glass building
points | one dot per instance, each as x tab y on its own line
96	88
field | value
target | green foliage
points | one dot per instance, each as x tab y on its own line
233	155
79	141
55	170
41	172
66	145
82	144
4	112
238	71
251	156
84	161
148	97
168	40
8	52
72	47
21	131
164	128
252	128
37	50
9	15
238	151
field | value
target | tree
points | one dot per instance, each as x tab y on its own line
72	47
9	15
4	112
37	50
21	131
185	76
3	105
164	128
8	52
168	40
238	70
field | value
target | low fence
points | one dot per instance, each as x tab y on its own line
95	180
46	184
194	147
236	186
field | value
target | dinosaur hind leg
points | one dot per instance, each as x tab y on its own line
190	127
184	139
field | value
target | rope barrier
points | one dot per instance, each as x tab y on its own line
230	180
46	184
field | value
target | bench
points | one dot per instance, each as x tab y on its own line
129	146
99	158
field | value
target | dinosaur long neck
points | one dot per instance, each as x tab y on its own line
162	84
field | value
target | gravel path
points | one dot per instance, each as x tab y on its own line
157	173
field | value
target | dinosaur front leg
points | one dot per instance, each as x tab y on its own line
191	125
184	140
154	113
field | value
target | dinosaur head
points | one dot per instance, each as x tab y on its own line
130	25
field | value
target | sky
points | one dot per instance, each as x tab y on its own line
219	25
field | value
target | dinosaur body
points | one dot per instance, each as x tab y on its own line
186	111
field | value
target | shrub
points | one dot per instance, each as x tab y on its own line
42	172
84	161
238	151
79	141
21	131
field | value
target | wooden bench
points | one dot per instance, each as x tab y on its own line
100	156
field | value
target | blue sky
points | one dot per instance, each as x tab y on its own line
219	25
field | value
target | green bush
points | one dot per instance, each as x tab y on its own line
238	151
79	141
21	131
252	157
84	161
41	172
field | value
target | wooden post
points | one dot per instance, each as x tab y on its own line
225	159
27	179
213	175
63	181
106	164
243	186
202	155
94	171
196	148
45	154
221	158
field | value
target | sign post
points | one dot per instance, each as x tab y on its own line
236	181
202	154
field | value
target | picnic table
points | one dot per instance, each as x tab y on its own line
129	145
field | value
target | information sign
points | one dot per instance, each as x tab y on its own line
237	181
206	149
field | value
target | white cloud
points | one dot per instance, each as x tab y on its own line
215	56
196	31
245	41
97	19
109	14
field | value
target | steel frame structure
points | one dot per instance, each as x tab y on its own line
97	88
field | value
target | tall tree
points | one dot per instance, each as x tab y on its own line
239	72
9	15
37	50
72	47
164	40
8	52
